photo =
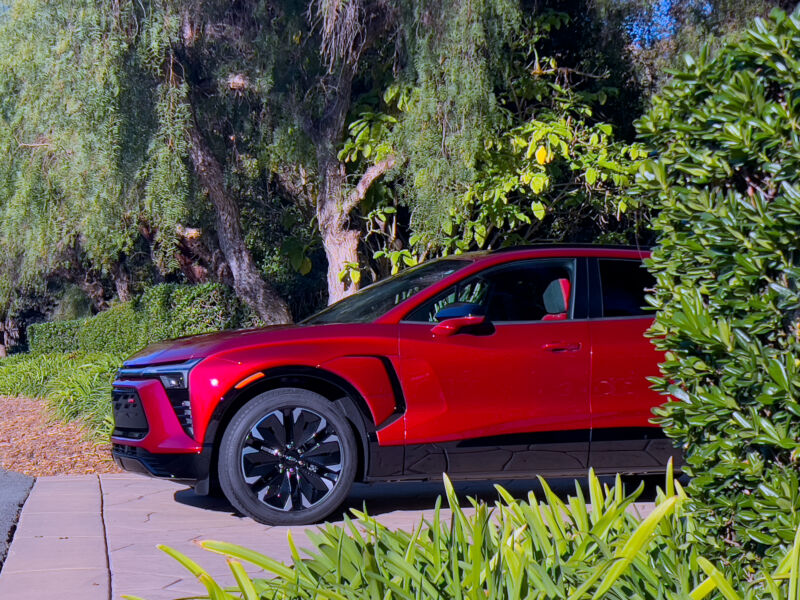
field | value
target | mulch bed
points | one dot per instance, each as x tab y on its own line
34	443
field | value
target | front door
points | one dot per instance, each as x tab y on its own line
511	395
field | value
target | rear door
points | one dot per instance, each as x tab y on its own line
622	359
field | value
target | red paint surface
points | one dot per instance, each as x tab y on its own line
166	435
622	359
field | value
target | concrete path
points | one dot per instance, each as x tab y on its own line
94	537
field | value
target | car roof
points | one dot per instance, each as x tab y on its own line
638	248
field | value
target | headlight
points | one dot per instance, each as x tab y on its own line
173	376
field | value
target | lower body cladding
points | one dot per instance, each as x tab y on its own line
642	451
520	456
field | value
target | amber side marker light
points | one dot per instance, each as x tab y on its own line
248	380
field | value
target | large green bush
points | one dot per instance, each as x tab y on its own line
164	311
539	549
726	179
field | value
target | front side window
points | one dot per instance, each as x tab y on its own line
539	290
624	285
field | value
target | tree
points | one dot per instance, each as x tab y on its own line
109	141
199	140
660	32
496	142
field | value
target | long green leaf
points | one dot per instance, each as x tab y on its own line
635	543
215	591
719	579
246	586
251	556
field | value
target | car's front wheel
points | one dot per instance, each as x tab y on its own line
288	457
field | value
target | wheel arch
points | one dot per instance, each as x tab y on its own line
329	385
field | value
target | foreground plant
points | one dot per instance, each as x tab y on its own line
539	548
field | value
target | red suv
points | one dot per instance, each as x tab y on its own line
488	365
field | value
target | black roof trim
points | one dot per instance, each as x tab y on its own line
640	248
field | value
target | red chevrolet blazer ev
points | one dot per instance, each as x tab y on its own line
513	363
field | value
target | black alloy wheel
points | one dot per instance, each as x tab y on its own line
287	457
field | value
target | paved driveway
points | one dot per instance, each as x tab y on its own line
94	537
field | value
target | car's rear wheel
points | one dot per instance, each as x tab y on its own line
288	457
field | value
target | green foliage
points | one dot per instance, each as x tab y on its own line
540	548
95	105
453	108
499	144
76	386
163	312
58	336
659	33
63	180
727	267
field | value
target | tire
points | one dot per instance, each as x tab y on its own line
278	480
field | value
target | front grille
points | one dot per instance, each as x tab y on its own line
129	418
179	399
124	450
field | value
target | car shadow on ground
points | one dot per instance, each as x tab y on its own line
382	498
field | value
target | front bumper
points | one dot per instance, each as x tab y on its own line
161	446
185	468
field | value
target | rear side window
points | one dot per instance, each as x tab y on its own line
624	285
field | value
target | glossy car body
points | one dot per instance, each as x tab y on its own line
477	397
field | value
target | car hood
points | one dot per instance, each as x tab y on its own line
201	346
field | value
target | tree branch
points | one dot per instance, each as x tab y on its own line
357	195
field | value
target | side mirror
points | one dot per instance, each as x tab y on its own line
456	310
455	317
452	326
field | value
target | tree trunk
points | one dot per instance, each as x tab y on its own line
93	288
341	249
340	243
122	281
333	213
247	280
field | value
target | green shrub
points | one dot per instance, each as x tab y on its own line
76	386
546	549
727	265
58	336
120	330
175	311
163	312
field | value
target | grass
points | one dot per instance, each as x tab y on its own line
76	386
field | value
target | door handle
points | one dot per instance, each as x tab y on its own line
561	347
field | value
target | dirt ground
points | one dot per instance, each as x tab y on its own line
34	443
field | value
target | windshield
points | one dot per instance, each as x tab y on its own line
374	300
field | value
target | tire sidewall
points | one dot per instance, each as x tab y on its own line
229	466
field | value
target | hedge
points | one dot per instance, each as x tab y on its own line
162	312
725	179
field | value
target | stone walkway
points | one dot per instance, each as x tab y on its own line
94	537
